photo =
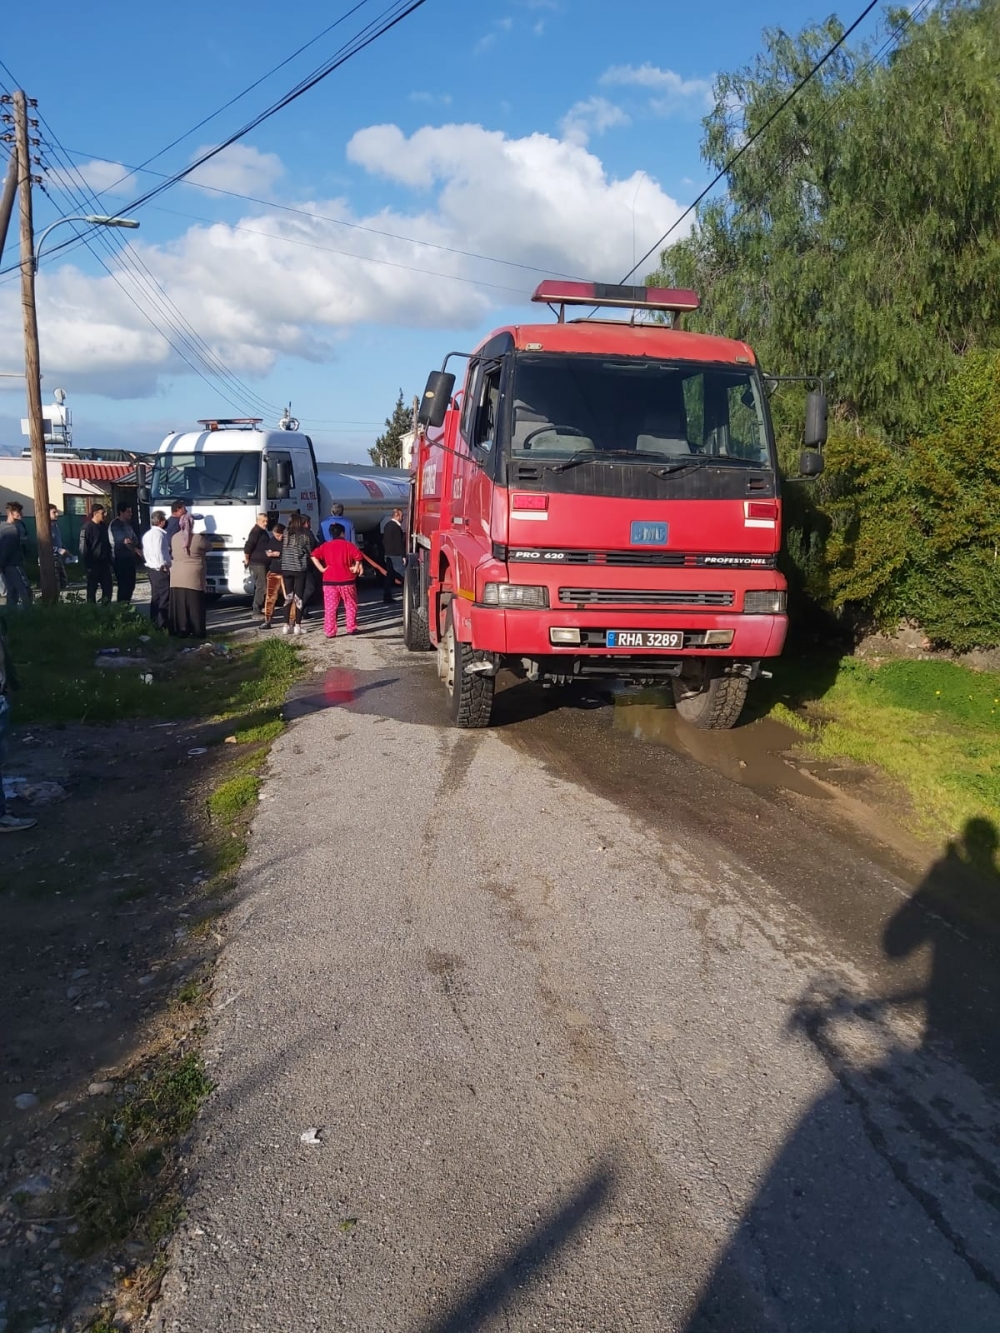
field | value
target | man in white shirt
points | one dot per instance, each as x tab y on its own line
156	554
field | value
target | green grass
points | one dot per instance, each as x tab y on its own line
125	1184
54	649
230	800
932	726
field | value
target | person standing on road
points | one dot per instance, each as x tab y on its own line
312	578
339	561
394	549
337	516
12	557
95	553
156	554
124	551
8	681
255	560
178	512
274	584
188	569
296	550
59	551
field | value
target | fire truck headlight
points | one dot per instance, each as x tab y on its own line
765	602
515	594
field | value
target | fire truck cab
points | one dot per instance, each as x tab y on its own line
600	500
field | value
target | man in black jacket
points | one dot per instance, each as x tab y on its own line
255	559
95	553
394	549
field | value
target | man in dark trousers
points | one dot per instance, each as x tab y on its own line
156	554
394	550
124	552
255	559
13	539
95	554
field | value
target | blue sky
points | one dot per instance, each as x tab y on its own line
550	134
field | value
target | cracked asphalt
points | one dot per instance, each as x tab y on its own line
592	1037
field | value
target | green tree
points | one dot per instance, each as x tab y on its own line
858	235
388	448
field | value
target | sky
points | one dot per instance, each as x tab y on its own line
397	211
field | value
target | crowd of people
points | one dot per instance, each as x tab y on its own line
287	563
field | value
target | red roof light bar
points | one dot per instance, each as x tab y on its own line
606	294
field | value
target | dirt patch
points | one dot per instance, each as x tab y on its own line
109	908
911	641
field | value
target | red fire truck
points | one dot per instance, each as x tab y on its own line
600	500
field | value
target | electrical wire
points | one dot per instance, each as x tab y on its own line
745	147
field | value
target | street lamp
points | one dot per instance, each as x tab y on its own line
93	219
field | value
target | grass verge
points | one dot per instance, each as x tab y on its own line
55	649
932	726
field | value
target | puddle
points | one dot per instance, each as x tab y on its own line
339	687
750	755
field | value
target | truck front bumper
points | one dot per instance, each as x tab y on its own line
528	633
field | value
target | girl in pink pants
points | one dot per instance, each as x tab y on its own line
339	562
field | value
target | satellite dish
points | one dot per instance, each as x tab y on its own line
60	396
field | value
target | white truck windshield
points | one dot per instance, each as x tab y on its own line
206	478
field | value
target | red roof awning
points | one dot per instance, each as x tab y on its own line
96	471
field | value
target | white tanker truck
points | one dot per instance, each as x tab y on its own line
231	470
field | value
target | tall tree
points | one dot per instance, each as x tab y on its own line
858	235
388	448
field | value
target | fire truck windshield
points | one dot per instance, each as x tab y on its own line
637	410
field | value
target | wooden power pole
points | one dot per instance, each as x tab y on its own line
32	368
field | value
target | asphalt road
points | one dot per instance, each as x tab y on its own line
594	1035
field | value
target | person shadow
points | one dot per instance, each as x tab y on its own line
881	1211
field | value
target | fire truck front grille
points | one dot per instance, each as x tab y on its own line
644	597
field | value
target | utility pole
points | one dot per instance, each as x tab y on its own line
32	368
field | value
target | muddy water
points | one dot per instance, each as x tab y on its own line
753	755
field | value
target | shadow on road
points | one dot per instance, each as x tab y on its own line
497	1290
880	1211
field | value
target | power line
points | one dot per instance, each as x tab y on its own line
389	18
744	148
240	95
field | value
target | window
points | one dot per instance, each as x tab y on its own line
569	405
486	415
280	476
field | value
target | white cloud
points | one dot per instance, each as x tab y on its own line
431	99
668	91
240	168
100	177
489	40
593	116
286	284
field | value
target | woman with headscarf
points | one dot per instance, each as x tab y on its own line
188	567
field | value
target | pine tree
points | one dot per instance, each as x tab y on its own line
388	448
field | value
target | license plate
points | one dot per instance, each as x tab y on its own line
645	638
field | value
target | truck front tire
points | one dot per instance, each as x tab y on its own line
709	700
470	696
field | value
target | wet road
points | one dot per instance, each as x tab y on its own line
597	1033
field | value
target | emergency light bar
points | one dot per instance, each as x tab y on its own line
606	294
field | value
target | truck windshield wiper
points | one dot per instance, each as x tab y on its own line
704	460
601	456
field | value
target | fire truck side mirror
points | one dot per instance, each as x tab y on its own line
437	396
811	463
816	420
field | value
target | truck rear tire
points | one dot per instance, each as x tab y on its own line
416	634
708	700
470	697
